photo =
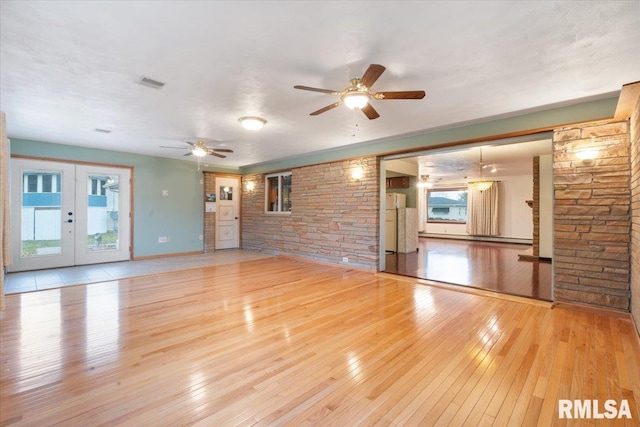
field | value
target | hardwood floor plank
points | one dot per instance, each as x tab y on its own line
289	342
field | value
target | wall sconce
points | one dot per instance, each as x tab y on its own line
251	185
357	173
588	154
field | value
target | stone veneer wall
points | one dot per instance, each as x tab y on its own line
209	217
592	221
635	214
332	215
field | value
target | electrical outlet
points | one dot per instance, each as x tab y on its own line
165	193
200	237
162	239
345	259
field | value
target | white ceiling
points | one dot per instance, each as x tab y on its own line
69	67
456	167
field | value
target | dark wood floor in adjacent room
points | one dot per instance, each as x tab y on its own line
485	265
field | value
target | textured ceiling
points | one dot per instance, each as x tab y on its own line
67	68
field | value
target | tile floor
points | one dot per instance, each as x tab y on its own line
29	281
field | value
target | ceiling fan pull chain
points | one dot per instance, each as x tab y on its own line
356	126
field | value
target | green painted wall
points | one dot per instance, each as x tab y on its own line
178	216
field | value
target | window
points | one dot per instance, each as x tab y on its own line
97	186
447	205
42	183
32	184
278	192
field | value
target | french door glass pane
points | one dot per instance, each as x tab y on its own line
41	213
103	216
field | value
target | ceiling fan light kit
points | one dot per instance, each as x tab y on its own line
252	122
199	152
199	149
358	94
355	100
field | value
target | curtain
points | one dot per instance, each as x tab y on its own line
482	211
5	235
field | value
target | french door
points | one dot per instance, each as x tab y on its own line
64	214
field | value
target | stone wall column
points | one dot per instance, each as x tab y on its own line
592	222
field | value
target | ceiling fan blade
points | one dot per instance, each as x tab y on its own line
327	108
372	74
190	143
188	154
217	155
411	94
315	89
370	112
221	150
180	148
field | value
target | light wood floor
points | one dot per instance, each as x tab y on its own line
289	342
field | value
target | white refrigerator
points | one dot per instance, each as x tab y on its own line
393	203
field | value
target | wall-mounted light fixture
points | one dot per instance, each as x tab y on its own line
357	173
251	185
587	154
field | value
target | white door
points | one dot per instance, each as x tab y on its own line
64	214
228	214
102	214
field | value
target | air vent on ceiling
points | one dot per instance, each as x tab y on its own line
102	130
151	83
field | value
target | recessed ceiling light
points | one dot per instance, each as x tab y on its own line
252	123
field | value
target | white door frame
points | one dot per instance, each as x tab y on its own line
72	215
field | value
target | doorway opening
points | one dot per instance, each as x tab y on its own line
444	249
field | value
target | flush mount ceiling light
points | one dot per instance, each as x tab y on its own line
481	184
252	122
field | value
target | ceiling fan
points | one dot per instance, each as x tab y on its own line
199	149
358	94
